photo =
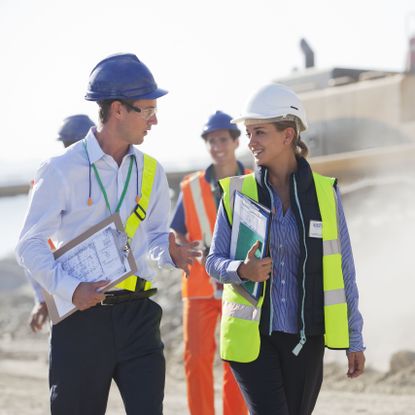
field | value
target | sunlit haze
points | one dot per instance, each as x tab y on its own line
209	55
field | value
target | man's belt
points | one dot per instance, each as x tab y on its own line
123	296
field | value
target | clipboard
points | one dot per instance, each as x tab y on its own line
251	222
101	252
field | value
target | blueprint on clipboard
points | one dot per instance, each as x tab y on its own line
97	254
250	223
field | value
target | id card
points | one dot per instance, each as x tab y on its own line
316	229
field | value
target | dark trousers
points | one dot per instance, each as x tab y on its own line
90	348
278	382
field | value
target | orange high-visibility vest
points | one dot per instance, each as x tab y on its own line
200	217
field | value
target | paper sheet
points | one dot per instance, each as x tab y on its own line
97	254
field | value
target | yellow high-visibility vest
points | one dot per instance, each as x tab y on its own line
139	214
239	338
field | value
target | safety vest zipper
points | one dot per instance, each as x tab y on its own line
271	313
303	338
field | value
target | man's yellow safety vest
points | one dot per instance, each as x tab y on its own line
240	337
139	214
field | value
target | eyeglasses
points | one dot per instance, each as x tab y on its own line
146	113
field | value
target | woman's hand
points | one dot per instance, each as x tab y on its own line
356	362
255	269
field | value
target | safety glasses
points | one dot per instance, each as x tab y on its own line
146	113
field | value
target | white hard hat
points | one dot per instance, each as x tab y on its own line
275	101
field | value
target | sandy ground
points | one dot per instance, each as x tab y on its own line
23	364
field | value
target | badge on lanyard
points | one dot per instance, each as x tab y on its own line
316	229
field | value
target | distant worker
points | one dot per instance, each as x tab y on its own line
194	220
309	298
115	334
73	129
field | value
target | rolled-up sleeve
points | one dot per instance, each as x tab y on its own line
218	264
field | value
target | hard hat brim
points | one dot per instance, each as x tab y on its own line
251	116
157	93
261	118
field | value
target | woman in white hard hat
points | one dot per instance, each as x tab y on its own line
309	297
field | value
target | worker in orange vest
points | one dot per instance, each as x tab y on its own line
72	129
194	220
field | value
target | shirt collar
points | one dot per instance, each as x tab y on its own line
303	175
210	176
95	152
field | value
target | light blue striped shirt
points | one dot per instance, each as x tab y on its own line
285	251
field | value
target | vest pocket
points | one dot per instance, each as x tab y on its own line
239	339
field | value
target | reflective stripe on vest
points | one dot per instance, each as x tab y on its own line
240	340
203	207
200	216
335	305
140	211
245	184
242	311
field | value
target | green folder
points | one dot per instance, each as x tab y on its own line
251	223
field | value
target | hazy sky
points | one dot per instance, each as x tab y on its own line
210	55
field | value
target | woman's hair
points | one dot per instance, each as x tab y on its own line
299	146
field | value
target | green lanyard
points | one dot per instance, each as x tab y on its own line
124	191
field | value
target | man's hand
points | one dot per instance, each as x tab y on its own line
184	254
38	316
255	269
86	294
356	364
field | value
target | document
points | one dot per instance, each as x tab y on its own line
251	223
99	253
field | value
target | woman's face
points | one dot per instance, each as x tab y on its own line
267	144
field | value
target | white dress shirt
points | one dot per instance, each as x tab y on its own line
58	209
37	288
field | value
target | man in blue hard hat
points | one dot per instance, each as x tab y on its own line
72	129
194	220
116	334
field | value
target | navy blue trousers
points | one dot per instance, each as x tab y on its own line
278	382
90	348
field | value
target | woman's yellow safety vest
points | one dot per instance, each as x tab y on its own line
239	336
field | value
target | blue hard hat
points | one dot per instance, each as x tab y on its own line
74	128
122	76
220	121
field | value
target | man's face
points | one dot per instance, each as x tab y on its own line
135	124
221	146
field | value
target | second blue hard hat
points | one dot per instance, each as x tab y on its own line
74	128
220	121
122	76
